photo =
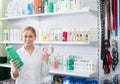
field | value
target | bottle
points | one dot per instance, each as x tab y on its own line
50	48
37	6
6	35
14	55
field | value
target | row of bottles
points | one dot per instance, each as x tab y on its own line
12	35
26	7
80	35
72	63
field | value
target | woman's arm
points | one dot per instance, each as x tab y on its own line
14	74
14	69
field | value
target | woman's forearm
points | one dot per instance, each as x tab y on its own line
14	73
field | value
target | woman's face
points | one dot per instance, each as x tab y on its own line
28	38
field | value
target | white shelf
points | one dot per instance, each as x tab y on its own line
10	42
5	65
72	73
15	42
83	10
55	42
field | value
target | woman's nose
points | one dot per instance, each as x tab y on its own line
27	38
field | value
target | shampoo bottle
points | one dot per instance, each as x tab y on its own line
14	55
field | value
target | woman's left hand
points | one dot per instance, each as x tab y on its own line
46	54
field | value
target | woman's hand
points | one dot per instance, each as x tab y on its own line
46	53
14	64
14	67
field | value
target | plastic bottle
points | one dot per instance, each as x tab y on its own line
14	55
6	35
50	48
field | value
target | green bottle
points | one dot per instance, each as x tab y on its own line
14	55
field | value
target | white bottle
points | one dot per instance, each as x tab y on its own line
50	48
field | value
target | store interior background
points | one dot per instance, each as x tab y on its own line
85	20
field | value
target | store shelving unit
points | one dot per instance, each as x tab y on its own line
84	11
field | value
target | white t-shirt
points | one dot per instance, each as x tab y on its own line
33	69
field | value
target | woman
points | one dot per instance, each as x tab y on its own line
32	70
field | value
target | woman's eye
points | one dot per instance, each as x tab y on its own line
30	36
25	36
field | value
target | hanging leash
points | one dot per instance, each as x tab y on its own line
107	61
102	15
105	44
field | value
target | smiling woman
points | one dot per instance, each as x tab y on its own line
34	64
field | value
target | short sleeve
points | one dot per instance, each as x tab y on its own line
45	68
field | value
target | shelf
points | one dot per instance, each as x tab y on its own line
72	73
83	10
8	42
5	65
15	42
56	42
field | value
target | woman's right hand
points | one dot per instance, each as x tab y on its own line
14	64
14	68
